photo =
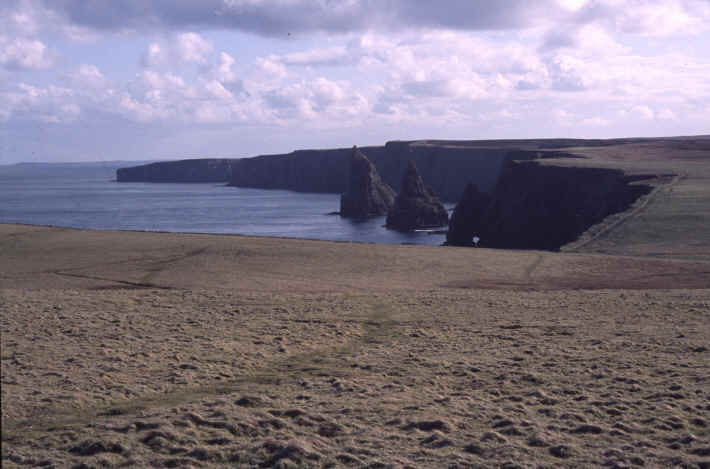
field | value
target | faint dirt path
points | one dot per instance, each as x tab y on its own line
530	269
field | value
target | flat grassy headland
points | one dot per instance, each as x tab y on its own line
674	220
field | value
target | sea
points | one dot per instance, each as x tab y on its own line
86	195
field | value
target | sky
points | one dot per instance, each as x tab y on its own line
169	79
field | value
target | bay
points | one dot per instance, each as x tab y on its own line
87	196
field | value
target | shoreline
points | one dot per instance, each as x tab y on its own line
214	234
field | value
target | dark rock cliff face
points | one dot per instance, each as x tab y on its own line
545	207
446	169
446	166
415	206
199	170
367	195
468	217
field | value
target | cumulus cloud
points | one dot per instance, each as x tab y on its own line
271	67
647	17
20	53
223	70
667	114
191	47
320	99
154	55
187	47
51	104
660	18
643	112
338	55
89	76
562	117
559	66
595	121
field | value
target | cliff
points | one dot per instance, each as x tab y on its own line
446	166
198	170
537	206
447	169
367	195
301	170
468	220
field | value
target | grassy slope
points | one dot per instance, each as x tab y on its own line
675	222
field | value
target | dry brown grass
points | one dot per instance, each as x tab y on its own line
125	349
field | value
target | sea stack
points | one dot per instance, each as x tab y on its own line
416	206
467	220
367	195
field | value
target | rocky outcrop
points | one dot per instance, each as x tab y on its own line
367	195
416	206
544	207
198	170
468	219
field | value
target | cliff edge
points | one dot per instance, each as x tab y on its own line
197	170
537	206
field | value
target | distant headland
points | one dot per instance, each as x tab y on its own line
535	193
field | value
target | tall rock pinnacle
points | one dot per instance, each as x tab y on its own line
367	195
416	206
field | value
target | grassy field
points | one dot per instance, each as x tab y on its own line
123	349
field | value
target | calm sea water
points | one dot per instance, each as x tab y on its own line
87	196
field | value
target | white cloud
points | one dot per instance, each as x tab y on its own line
660	17
572	5
321	56
223	71
667	114
191	47
184	48
217	90
568	73
154	55
643	112
20	53
323	102
50	105
271	66
563	117
595	122
80	34
397	63
89	76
